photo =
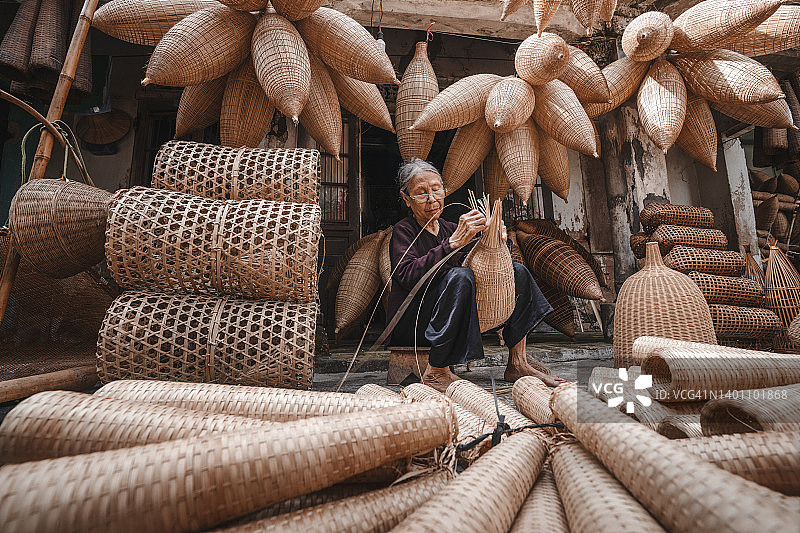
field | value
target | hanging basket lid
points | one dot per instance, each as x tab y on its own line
104	128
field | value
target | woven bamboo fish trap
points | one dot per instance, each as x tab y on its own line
554	165
753	270
203	46
541	58
781	288
746	411
338	269
462	103
584	77
780	228
512	6
661	102
770	115
714	24
360	281
727	77
246	113
607	8
678	501
362	99
346	46
144	21
371	390
744	322
245	5
593	499
543	11
296	10
561	318
766	212
721	262
59	226
385	261
282	64
509	104
727	290
560	266
200	106
495	182
49	45
15	49
623	77
488	494
769	459
470	146
775	141
787	185
587	12
470	425
418	87
667	236
761	181
792	168
518	152
785	202
680	427
793	332
661	302
532	397
212	246
255	469
698	137
322	116
223	173
793	136
559	113
647	36
542	511
638	244
779	32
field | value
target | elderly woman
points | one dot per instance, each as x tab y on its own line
445	314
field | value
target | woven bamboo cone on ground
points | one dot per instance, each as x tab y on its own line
296	10
623	77
770	115
509	104
144	21
559	113
470	425
495	182
729	290
338	269
680	427
15	49
322	116
560	265
679	501
647	36
371	390
518	152
542	511
746	411
715	24
418	87
554	165
470	146
200	106
203	46
541	58
49	45
584	77
661	102
346	46
246	113
360	281
362	99
251	474
781	31
561	318
532	397
462	103
698	136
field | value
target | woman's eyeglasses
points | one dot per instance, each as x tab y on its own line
437	194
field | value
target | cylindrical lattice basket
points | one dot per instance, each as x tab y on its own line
721	262
744	322
148	335
728	290
175	242
224	173
655	214
59	225
668	236
639	244
752	410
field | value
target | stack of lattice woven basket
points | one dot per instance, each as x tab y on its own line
774	200
220	261
687	238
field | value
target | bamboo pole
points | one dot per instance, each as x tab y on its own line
78	378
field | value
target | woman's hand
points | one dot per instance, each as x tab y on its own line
469	225
503	232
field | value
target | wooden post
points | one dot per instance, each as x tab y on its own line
78	378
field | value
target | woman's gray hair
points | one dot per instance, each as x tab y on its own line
412	168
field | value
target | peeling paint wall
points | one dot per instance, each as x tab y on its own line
682	177
571	215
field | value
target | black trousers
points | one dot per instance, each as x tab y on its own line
446	317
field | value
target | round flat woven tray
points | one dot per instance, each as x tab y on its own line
654	214
721	262
542	511
745	411
729	290
744	322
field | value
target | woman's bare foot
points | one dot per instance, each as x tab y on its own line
438	378
516	371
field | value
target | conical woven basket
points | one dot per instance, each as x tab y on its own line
470	425
360	281
623	77
418	87
15	49
698	137
322	116
516	254
59	226
765	213
470	146
761	181
495	182
779	32
769	459
362	99
562	318
246	5
587	12
661	102
541	58
787	185
543	11
542	511
346	46
721	262
282	64
753	270
559	113
246	113
782	290
680	427
780	228
729	290
385	261
744	322
667	236
554	165
203	46
223	173
336	272
639	244
144	21
560	266
770	115
252	469
607	8
462	103
793	332
647	36
518	152
677	500
714	24
745	411
509	104
774	141
200	106
49	45
584	77
296	10
213	246
661	302
532	398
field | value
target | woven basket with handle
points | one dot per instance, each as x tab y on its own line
745	411
360	281
729	290
744	322
362	99
770	115
560	265
698	137
518	152
542	511
554	165
417	88
199	106
462	103
661	102
559	113
777	33
541	58
668	236
470	146
623	77
322	116
721	262
509	104
647	36
584	77
246	114
144	21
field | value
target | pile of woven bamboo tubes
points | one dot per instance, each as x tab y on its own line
774	201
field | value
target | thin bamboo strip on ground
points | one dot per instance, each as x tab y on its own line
584	77
199	106
781	31
144	21
647	36
542	511
745	411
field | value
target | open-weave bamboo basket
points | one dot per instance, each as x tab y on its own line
647	36
172	241
782	290
698	137
252	469
224	173
777	33
672	484
470	425
470	146
518	152
336	272
753	270
769	459
362	99
418	87
721	262
541	58
716	23
15	49
680	427
144	21
623	77
495	182
148	335
542	511
547	227
554	165
559	113
667	236
199	106
787	185
584	77
462	103
509	104
562	317
661	102
360	281
59	225
655	214
639	244
766	212
745	411
246	113
742	292
774	114
532	398
296	9
559	265
322	116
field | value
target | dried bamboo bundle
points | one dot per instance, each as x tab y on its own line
661	102
462	103
561	318
470	146
554	165
360	281
667	236
296	9
686	259
788	185
647	36
559	113
518	152
487	495
282	64
560	265
659	301
15	49
385	261
774	141
470	425
495	182
680	427
49	45
532	397
253	469
729	290
781	288
744	322
509	104
542	511
698	137
144	21
584	77
726	77
346	46
200	106
362	99
770	115
418	87
753	410
713	24
246	5
322	116
203	46
541	58
766	212
587	12
781	31
679	501
623	76
246	113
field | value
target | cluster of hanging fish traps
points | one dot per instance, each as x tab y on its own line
241	61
